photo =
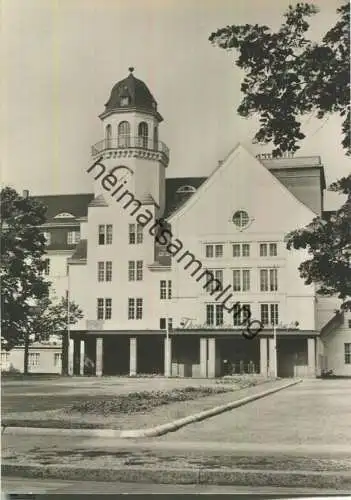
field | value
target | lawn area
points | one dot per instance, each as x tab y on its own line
120	404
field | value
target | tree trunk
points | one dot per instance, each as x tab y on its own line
26	353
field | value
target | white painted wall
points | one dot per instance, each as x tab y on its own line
243	183
334	348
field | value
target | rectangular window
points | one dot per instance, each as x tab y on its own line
108	270
135	270
269	314
169	289
236	250
263	250
241	280
209	251
273	250
105	234
135	234
34	358
101	271
139	270
139	308
264	280
105	271
104	308
210	314
241	250
219	314
268	280
47	236
241	314
100	308
273	280
73	237
139	233
132	236
347	350
162	323
274	314
246	250
163	289
135	308
131	308
214	286
246	280
214	314
109	234
219	250
170	324
131	270
47	267
57	359
264	314
108	308
349	323
236	280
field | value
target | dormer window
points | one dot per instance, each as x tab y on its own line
124	101
186	189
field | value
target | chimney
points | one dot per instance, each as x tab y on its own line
25	193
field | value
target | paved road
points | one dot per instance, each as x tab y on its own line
313	413
24	485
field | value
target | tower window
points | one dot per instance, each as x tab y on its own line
124	134
143	133
108	136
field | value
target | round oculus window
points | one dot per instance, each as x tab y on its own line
241	219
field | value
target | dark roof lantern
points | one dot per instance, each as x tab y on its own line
131	94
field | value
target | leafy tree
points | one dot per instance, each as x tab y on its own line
22	264
328	240
287	76
53	318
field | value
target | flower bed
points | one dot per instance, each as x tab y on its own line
135	402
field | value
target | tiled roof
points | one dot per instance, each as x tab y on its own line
173	199
75	204
136	91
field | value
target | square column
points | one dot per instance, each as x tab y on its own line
211	366
203	357
99	355
132	356
271	357
70	356
263	357
311	357
168	356
82	357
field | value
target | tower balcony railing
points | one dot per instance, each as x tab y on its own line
125	143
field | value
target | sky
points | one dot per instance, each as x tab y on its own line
61	59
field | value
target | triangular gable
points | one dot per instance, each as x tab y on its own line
236	152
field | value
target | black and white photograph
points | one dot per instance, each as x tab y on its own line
175	248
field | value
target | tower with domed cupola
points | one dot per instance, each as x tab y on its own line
130	125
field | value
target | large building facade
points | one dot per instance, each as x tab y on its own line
167	270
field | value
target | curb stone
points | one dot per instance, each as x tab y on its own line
177	424
237	477
144	433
